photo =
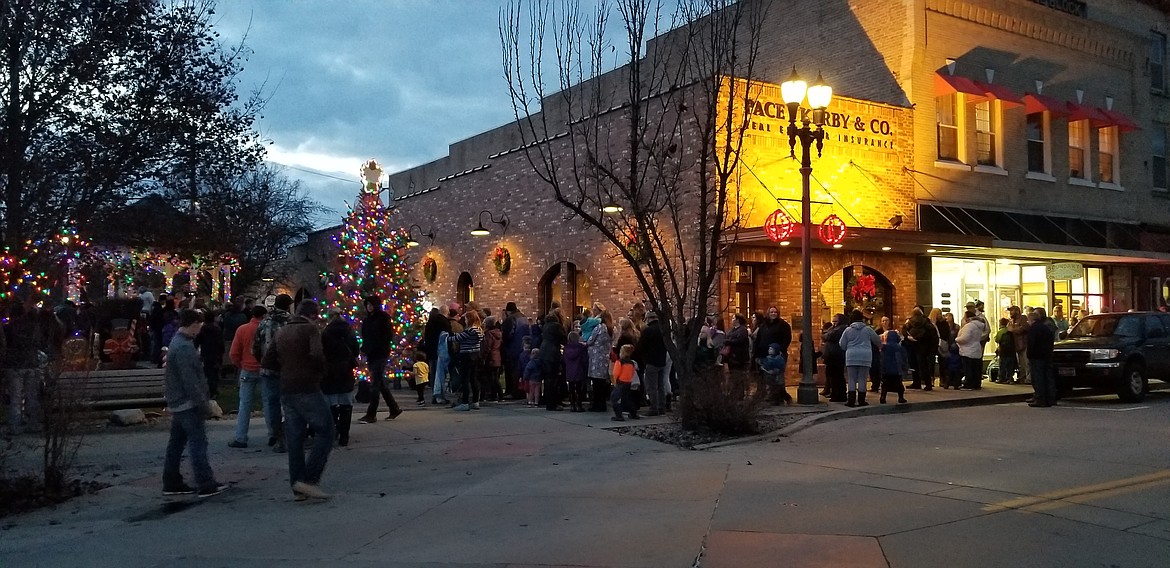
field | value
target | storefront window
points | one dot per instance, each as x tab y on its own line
1005	282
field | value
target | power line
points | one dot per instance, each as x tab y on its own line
316	173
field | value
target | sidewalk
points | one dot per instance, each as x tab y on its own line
504	486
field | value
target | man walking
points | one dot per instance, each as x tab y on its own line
249	366
270	375
298	352
187	401
376	336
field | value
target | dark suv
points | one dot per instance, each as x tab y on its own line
1119	352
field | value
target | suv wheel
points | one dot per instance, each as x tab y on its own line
1133	384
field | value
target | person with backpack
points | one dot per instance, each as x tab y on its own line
270	374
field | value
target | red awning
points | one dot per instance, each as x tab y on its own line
1040	103
1122	122
945	84
1005	95
1082	112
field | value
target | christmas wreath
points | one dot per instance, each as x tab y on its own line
502	259
430	269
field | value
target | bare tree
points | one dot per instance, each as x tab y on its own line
658	136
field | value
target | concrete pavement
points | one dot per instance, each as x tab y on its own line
504	486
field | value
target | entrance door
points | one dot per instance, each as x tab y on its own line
465	291
572	290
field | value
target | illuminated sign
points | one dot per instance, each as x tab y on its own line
847	121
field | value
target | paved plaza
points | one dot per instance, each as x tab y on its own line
510	486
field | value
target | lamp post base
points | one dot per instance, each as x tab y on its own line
807	393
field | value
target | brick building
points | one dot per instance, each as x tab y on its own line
1012	151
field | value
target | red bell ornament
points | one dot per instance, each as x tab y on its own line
832	230
779	226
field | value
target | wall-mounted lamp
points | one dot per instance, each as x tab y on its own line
895	221
411	241
480	231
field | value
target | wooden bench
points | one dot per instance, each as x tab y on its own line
123	388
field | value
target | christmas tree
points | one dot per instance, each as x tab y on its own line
372	262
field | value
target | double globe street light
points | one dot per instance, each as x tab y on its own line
811	130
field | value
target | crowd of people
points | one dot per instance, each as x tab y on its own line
302	366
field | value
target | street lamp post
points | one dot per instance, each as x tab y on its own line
819	94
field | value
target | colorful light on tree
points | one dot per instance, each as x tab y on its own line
373	261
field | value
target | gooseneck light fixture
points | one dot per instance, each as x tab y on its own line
411	241
480	231
808	133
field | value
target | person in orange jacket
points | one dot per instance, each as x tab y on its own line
625	379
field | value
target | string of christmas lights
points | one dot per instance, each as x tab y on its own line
372	261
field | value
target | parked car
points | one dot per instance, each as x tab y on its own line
1120	352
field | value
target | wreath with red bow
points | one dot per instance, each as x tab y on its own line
430	269
502	259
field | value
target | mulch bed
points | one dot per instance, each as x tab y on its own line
26	493
673	433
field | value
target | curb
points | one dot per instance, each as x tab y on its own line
873	409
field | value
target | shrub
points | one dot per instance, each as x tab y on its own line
722	402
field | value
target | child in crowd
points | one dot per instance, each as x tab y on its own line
532	377
625	380
576	367
895	366
772	366
419	377
954	366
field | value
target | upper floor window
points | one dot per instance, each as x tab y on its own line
1107	154
986	143
947	118
1078	147
1158	150
1036	131
1157	58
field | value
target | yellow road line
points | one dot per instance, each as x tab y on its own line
1095	491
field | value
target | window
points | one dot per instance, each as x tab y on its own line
1158	149
1078	143
1036	131
1157	67
947	118
986	150
1107	154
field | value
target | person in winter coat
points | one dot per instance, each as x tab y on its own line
210	345
493	339
834	357
514	330
1005	349
270	375
599	350
576	369
920	338
437	323
895	366
970	340
771	329
945	338
376	337
470	341
553	337
650	354
737	344
858	341
1041	335
341	352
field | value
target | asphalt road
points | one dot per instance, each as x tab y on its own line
1080	485
1086	483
